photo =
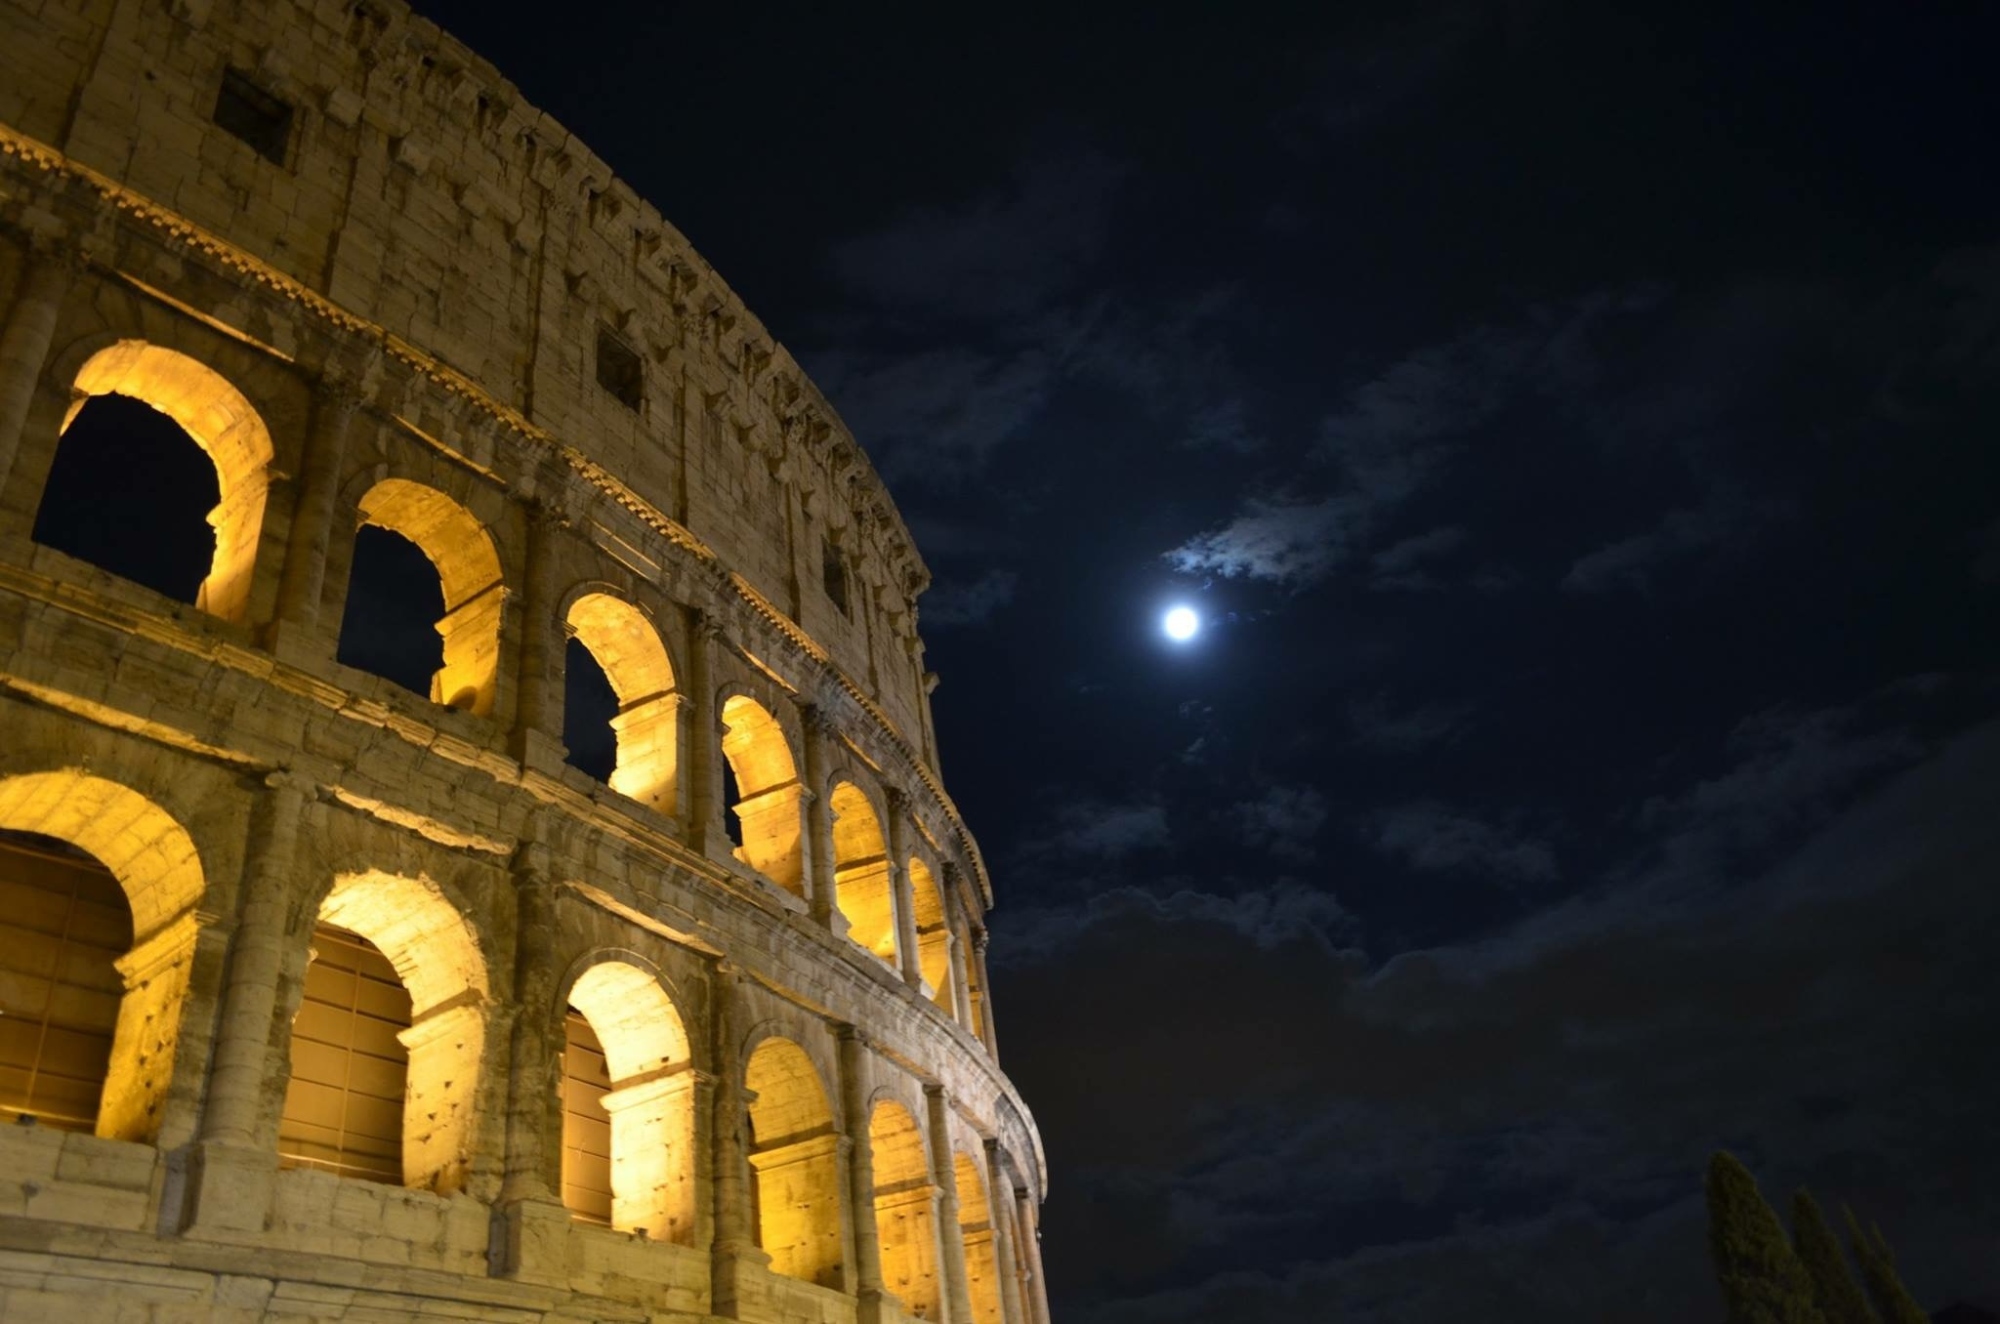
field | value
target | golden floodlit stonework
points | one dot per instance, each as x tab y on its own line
325	1000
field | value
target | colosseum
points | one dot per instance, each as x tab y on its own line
322	998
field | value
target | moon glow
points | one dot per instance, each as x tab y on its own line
1181	624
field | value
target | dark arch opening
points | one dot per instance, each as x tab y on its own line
394	602
130	492
589	704
731	794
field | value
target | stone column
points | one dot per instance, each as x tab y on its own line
951	1236
735	1240
538	716
1031	1259
860	1176
819	819
24	341
233	1168
534	1224
240	1085
999	1202
985	997
961	996
303	580
907	954
703	812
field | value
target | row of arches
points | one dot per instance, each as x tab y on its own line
884	900
389	1045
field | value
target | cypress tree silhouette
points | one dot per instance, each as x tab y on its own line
1839	1297
1762	1279
1878	1270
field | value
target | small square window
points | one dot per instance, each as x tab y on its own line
833	574
254	115
619	370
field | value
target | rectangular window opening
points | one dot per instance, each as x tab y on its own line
254	115
619	370
833	574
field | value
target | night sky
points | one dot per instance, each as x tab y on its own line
1580	432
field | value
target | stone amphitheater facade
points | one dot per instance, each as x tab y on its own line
321	999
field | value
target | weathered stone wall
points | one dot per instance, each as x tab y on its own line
395	323
421	193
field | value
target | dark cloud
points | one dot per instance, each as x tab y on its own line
956	604
1403	565
1394	437
934	417
1005	254
1430	837
1094	830
1521	1137
1284	821
1264	916
1726	520
1378	724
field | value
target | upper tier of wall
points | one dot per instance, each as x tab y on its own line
419	192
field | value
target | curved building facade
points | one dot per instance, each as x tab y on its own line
322	998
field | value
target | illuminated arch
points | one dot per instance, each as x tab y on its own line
160	873
975	1225
468	567
794	1154
862	890
933	935
436	957
768	791
905	1218
226	427
634	660
649	1105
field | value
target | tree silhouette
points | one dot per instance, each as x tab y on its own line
1839	1297
1762	1279
1878	1270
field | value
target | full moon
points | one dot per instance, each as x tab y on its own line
1181	623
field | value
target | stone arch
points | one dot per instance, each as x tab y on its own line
863	891
768	804
634	659
435	955
933	934
975	1226
468	568
649	1105
795	1160
160	873
905	1208
229	430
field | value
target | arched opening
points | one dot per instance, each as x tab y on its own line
933	935
975	1226
389	625
126	494
115	486
590	706
397	965
794	1155
97	931
344	1103
905	1209
767	804
862	890
628	1106
467	569
647	725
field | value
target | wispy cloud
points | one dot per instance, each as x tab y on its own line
1283	821
1431	836
1726	518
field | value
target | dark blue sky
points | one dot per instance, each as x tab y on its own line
1579	430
